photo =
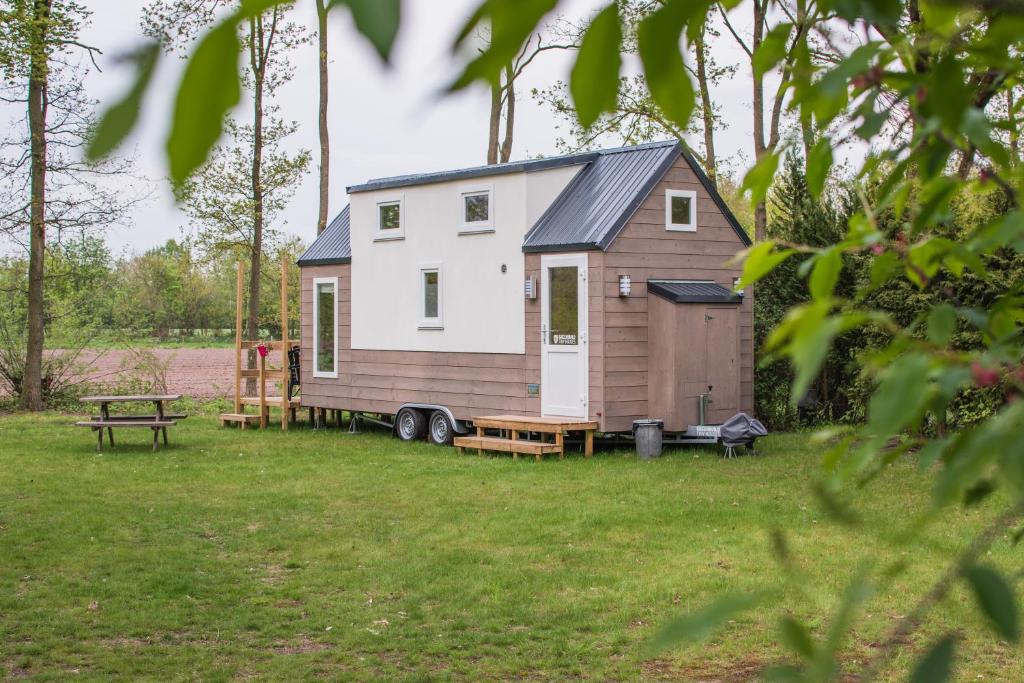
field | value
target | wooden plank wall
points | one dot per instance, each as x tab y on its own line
646	250
380	381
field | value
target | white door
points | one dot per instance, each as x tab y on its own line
563	349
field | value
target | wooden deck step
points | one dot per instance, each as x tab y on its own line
242	419
513	446
527	423
558	426
272	401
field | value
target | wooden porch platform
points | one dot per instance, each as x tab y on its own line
555	427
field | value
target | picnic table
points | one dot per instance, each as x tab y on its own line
158	422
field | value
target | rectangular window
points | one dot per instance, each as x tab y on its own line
325	327
681	210
431	297
564	283
476	211
390	221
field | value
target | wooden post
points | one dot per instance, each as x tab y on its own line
263	392
588	449
285	397
238	339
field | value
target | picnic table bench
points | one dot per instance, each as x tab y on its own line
158	422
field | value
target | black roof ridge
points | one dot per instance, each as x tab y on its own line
520	166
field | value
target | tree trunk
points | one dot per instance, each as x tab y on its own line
1014	132
806	125
32	381
510	114
707	110
760	211
325	146
258	62
494	127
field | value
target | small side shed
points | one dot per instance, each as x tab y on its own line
694	349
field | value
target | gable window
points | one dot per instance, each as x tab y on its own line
325	327
681	210
431	298
390	219
476	210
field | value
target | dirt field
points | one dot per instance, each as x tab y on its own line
199	373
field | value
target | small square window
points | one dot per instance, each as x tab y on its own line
681	210
477	207
681	207
476	210
431	297
390	216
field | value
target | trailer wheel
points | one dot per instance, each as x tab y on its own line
441	430
410	424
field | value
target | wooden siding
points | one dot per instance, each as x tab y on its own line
467	383
645	250
381	381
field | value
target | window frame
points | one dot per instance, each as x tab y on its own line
681	227
317	281
426	323
389	234
476	227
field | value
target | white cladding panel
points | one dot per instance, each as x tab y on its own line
483	308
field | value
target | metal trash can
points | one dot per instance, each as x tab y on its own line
647	436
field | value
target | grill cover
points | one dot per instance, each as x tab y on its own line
741	429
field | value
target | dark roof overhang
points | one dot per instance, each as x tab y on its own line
693	292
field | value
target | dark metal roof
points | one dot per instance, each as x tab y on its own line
594	207
693	292
588	214
474	172
332	246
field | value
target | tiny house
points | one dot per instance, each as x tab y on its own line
594	286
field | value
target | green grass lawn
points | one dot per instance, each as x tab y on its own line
302	554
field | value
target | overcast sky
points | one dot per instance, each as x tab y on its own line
382	121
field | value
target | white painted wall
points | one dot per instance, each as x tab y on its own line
483	308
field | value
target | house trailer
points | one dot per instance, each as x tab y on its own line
594	286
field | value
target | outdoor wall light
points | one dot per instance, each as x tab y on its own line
624	285
530	288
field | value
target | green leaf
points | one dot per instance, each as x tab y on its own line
209	89
377	20
996	600
819	163
941	324
759	260
796	637
702	623
772	49
825	275
658	44
511	23
937	665
979	492
594	83
759	178
901	396
120	118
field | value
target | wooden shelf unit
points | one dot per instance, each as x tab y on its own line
262	401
